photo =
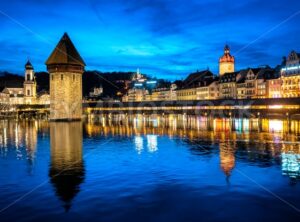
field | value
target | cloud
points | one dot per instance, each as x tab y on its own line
164	37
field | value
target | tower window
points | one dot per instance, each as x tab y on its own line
28	77
73	77
62	77
52	77
28	92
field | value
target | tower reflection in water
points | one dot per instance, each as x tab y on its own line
66	167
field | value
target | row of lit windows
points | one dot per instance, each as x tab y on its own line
187	93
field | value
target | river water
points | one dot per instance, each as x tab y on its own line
150	168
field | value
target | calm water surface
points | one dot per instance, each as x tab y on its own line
137	168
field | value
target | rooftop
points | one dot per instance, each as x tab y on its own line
65	53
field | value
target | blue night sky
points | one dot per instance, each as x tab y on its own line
164	38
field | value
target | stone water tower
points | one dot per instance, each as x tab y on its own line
65	66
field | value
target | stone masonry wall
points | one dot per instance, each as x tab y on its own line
65	96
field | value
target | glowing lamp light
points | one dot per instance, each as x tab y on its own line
151	82
276	125
276	107
290	68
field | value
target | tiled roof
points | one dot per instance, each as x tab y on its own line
65	53
198	79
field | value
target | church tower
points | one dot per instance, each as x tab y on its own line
65	66
226	62
29	84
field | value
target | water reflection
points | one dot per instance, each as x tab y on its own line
227	158
20	138
139	144
152	143
262	142
66	167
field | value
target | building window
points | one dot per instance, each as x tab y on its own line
62	77
28	77
52	77
73	77
28	92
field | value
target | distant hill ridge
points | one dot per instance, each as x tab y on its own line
110	81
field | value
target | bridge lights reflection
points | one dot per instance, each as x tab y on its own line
139	144
275	125
152	143
291	164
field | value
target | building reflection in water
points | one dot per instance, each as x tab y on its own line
291	164
22	136
261	140
66	167
290	160
227	158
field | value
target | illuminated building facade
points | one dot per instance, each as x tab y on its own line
4	98
226	62
15	95
135	95
290	76
209	92
241	88
26	94
256	82
187	94
97	91
160	94
274	88
227	85
192	84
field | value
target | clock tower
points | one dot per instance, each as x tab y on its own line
226	62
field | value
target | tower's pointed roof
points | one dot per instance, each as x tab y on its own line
227	57
28	65
65	53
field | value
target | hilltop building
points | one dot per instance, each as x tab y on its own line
97	91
